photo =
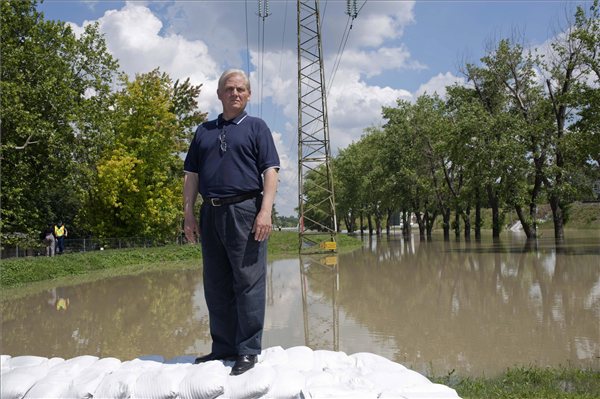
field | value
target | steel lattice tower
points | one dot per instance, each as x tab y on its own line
316	201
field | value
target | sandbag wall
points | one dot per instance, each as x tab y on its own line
297	372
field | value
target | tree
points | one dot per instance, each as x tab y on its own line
573	58
54	87
138	190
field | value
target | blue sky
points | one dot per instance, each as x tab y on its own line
395	49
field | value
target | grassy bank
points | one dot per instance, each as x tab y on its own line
529	383
19	271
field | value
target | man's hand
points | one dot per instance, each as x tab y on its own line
262	225
191	230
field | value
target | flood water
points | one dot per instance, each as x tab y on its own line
476	308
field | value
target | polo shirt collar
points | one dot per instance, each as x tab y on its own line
237	120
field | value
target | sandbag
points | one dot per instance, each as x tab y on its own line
288	384
371	362
17	382
301	358
49	389
254	383
339	392
390	381
204	381
4	363
87	381
274	356
119	384
325	360
26	361
162	383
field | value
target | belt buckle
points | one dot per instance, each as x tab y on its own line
215	202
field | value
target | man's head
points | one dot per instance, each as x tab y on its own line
234	92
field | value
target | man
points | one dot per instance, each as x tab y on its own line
60	232
233	163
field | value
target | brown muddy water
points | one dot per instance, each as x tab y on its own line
476	308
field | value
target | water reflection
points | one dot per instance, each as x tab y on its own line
433	306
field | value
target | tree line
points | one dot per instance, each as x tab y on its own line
523	130
82	142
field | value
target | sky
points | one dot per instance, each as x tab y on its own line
394	50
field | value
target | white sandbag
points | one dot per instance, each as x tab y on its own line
73	366
338	391
49	389
301	358
274	356
371	362
288	384
119	384
254	383
162	383
4	363
87	381
18	381
140	364
26	361
325	360
423	391
204	381
56	383
394	381
318	378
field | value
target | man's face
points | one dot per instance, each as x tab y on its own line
233	95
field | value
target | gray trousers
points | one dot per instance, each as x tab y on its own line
234	277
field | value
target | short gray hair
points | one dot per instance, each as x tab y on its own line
230	72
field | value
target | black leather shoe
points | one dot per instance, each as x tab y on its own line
212	356
242	364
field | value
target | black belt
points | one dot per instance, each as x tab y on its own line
230	200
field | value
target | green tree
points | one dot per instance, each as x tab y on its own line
573	60
54	87
138	190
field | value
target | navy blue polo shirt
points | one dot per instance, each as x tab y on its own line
237	168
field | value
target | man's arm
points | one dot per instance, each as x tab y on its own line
263	224
190	193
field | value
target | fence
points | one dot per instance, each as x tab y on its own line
89	244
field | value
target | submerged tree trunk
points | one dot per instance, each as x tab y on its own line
456	224
370	224
467	220
478	221
429	222
558	217
421	221
362	224
406	223
495	205
528	229
446	223
388	222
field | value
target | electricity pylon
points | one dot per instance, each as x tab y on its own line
316	200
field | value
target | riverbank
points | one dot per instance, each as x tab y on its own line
17	272
528	383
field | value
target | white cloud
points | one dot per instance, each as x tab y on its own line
133	36
438	84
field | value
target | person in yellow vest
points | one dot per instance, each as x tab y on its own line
60	232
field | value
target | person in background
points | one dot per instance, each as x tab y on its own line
60	232
49	240
233	163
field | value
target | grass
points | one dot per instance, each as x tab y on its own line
16	272
528	383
